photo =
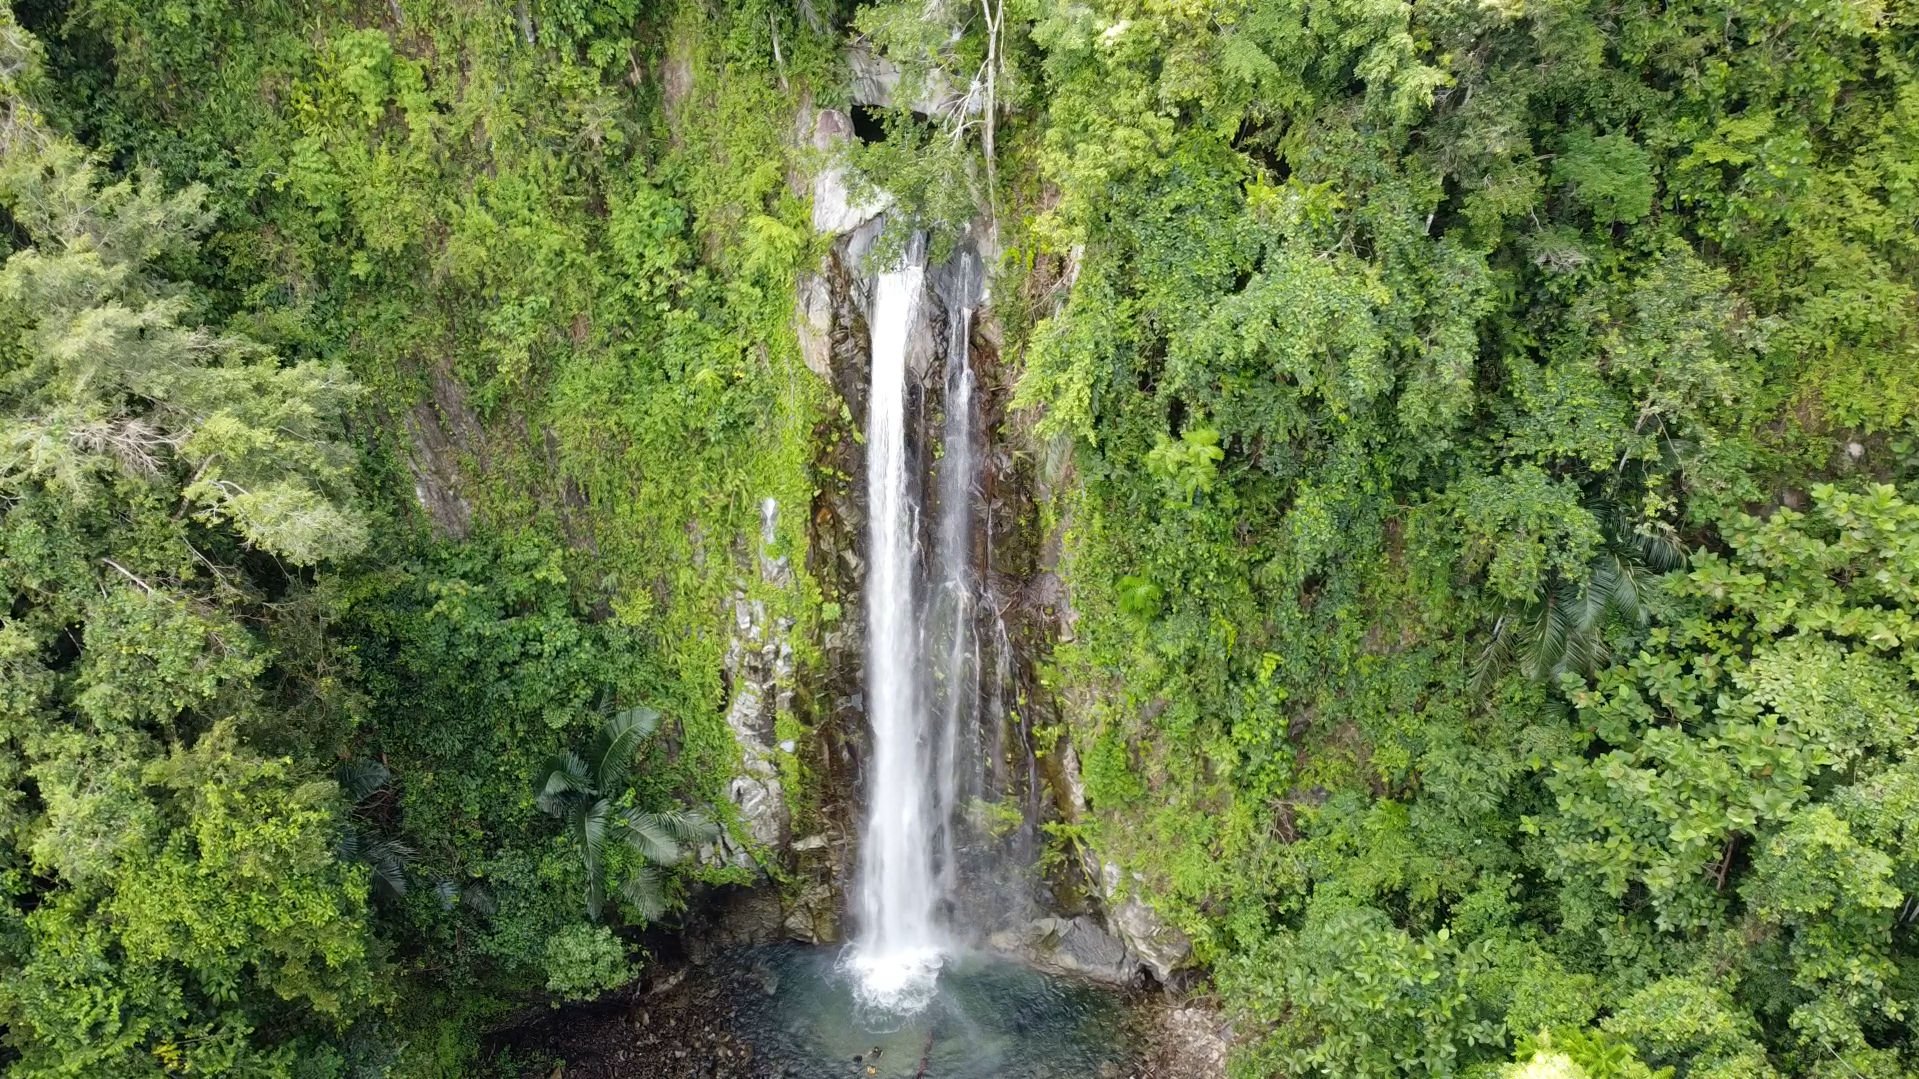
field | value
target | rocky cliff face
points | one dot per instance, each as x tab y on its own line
1082	918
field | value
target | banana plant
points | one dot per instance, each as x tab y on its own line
584	790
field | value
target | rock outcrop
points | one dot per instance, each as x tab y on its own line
759	676
1075	947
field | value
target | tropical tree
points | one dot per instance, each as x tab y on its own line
173	897
586	791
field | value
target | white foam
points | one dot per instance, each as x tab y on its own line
897	982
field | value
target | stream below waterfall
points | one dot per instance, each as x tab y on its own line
789	1011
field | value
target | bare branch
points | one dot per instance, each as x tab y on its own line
130	575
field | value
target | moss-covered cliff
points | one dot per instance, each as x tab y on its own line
1447	494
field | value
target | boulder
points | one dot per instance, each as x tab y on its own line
1075	947
812	915
1160	947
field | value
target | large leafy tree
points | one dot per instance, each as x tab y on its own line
173	900
1740	802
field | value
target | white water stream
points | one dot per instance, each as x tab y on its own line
923	655
953	670
897	955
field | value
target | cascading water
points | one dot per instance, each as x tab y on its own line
953	676
896	957
924	672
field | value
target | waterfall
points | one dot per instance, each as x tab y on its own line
896	956
927	698
954	675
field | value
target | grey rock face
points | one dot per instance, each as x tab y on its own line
1075	947
877	81
836	209
812	915
1162	948
759	668
441	433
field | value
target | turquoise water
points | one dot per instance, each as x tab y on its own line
988	1020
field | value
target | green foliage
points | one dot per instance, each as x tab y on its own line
1403	352
175	902
1488	314
1190	465
1744	725
1589	1053
554	245
107	386
1680	1020
1609	174
1373	1000
584	961
185	916
584	790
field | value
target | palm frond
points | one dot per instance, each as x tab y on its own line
359	779
1550	637
1628	593
388	858
1566	628
1596	594
1658	551
690	825
588	824
1496	656
648	834
645	888
595	896
563	775
663	836
478	898
611	756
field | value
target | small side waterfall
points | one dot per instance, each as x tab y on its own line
953	671
897	953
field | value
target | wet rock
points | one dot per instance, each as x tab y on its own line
1191	1042
766	978
1162	948
759	667
748	916
1076	947
812	915
664	985
813	318
443	433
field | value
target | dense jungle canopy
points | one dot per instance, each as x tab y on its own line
1488	434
